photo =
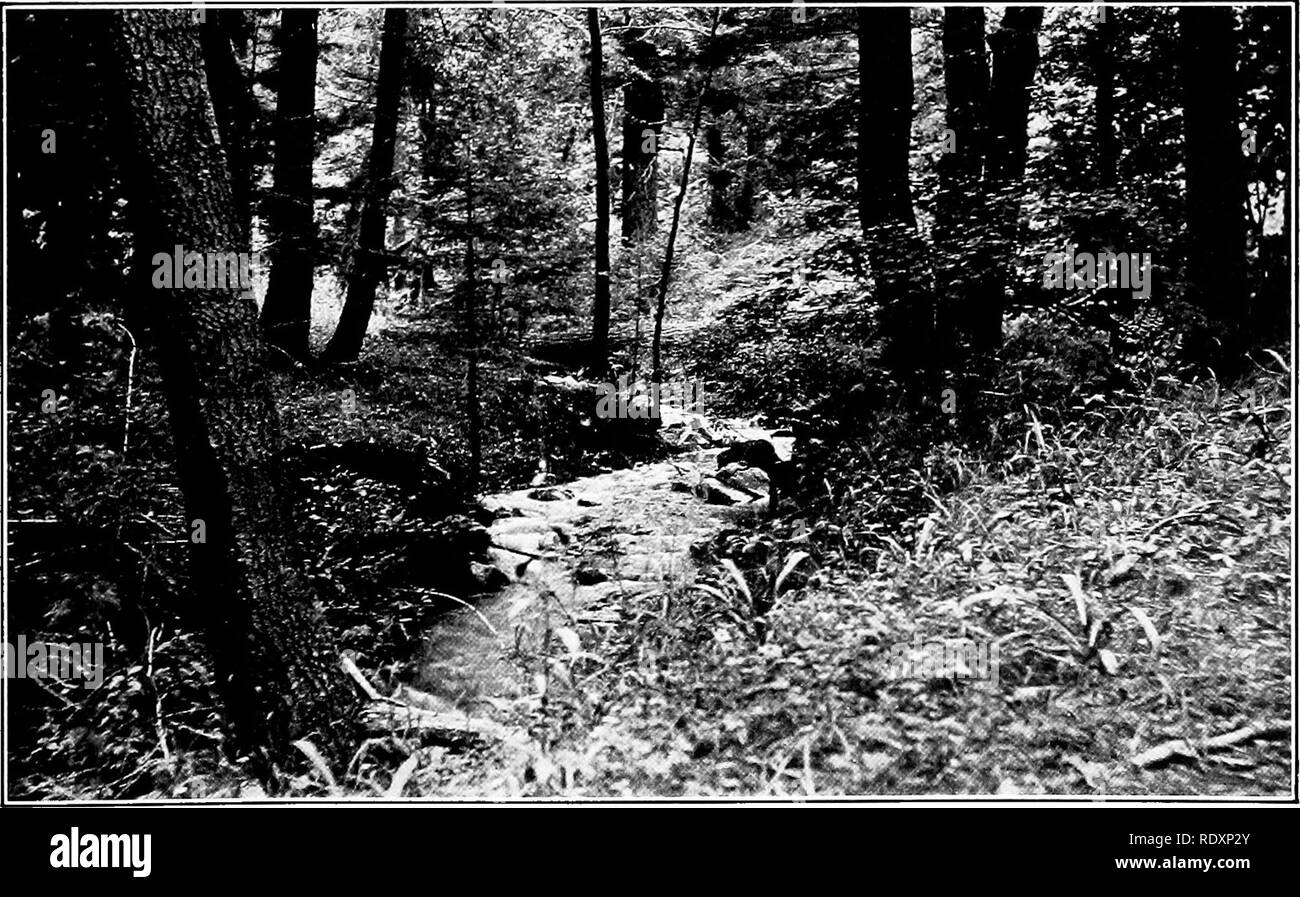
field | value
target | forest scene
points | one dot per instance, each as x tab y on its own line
558	402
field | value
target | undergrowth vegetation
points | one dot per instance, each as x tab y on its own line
102	528
1130	562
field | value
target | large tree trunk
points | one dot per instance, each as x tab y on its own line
884	192
600	304
643	120
232	100
286	313
275	664
1015	58
1216	184
961	209
367	263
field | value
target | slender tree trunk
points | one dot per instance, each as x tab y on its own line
666	274
1216	182
643	119
232	100
367	263
473	412
274	661
600	304
1279	41
1106	172
1015	58
747	196
884	191
961	209
430	159
720	177
286	313
1112	227
1271	313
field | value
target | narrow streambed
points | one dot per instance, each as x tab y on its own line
571	552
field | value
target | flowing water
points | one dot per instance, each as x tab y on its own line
572	551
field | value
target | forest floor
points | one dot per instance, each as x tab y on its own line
1130	569
1130	561
1142	611
1128	572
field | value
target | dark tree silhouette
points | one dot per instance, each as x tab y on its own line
473	411
275	665
643	111
600	303
721	214
751	171
367	261
1216	182
1106	46
1015	58
232	100
286	313
961	210
884	193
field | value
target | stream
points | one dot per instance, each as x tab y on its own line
573	551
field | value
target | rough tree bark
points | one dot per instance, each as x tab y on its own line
232	100
600	303
1015	58
367	262
286	313
894	248
275	664
1216	181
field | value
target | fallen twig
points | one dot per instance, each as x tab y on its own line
130	375
461	601
350	667
386	715
527	554
1181	747
1205	509
383	717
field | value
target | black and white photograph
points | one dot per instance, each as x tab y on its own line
546	403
